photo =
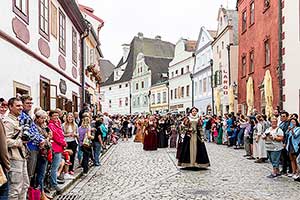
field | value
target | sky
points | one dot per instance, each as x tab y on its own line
170	19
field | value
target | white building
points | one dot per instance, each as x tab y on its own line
128	89
202	71
180	82
40	59
225	47
291	62
160	97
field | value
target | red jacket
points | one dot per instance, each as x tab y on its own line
58	137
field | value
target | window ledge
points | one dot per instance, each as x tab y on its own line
244	31
266	8
268	65
250	73
251	24
244	76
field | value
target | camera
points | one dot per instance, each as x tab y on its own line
25	127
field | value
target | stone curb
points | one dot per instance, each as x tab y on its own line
77	175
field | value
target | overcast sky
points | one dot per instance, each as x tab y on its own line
171	19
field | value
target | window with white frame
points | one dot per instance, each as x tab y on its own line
158	98
164	97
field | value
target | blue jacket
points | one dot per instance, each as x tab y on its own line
103	130
295	139
35	137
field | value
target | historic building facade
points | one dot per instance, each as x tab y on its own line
225	58
47	45
143	64
290	61
180	81
202	71
259	54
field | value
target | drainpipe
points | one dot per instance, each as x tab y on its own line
192	77
229	70
85	34
212	86
280	54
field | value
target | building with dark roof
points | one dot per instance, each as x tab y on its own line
117	92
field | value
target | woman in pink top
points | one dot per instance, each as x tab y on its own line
58	146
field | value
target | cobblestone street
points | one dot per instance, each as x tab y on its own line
128	172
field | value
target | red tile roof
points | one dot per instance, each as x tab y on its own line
90	11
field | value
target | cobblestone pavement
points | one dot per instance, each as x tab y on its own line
128	172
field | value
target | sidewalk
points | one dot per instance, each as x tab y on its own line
78	173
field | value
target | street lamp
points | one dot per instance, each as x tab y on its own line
212	86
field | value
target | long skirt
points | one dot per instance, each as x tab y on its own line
150	141
162	139
139	135
193	153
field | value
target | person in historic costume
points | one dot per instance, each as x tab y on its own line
139	131
150	139
193	153
173	137
162	133
183	129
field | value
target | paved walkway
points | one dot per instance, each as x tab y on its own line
128	172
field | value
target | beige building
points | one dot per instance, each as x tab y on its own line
159	98
225	60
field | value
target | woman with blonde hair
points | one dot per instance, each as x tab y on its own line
85	138
71	134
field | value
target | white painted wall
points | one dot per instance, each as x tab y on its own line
181	59
114	93
202	72
23	68
291	43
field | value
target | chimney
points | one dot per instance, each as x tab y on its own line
158	37
126	49
140	35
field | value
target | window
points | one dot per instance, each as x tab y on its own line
136	86
153	99
92	56
62	32
171	94
158	98
176	72
120	102
175	93
182	92
187	69
204	85
251	62
53	20
172	74
126	85
187	90
109	88
44	18
74	46
120	86
145	100
126	101
164	97
252	17
222	45
109	103
267	53
266	3
244	61
200	87
45	93
20	7
143	84
138	101
244	21
182	71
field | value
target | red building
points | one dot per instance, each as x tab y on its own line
258	50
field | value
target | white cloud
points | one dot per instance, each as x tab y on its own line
171	19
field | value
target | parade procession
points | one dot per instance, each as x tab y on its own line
138	100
